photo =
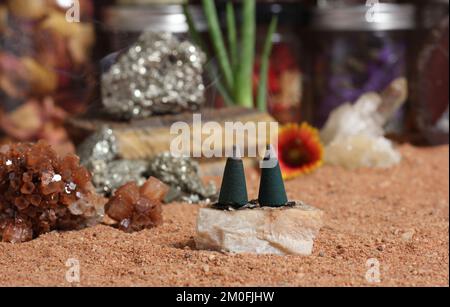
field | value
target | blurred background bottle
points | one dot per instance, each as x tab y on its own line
287	81
45	67
428	121
354	54
125	21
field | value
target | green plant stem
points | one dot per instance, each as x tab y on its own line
220	88
232	36
201	43
244	83
195	35
218	42
265	60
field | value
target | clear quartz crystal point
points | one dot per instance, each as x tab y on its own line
354	134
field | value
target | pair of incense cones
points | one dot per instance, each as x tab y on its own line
272	192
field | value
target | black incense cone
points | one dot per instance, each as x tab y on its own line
234	187
272	192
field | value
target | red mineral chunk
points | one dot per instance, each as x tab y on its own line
136	209
121	206
17	231
35	199
148	213
27	188
38	189
129	192
154	189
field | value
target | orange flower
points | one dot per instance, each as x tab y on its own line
299	150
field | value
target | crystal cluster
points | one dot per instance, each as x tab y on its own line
182	174
41	192
134	208
159	74
102	145
354	134
99	154
109	176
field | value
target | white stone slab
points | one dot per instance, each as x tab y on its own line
280	231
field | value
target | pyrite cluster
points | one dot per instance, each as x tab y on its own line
99	153
182	174
159	74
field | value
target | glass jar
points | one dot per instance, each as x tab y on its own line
43	53
124	23
45	64
286	67
429	112
358	52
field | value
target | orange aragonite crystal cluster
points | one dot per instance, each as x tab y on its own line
134	208
41	192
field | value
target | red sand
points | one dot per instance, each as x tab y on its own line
369	214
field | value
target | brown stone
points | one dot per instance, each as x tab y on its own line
154	189
136	209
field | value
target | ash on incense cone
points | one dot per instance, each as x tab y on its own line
270	225
272	192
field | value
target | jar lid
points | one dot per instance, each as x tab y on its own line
288	12
379	17
151	1
138	18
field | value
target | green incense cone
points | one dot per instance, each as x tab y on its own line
272	192
234	187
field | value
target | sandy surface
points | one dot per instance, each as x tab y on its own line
369	214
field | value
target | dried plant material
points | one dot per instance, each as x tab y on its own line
80	36
134	208
41	192
23	122
41	54
34	120
80	43
42	80
13	76
30	9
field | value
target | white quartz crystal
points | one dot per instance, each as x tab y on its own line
354	134
362	151
279	231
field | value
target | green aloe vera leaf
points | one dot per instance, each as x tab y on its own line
265	60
